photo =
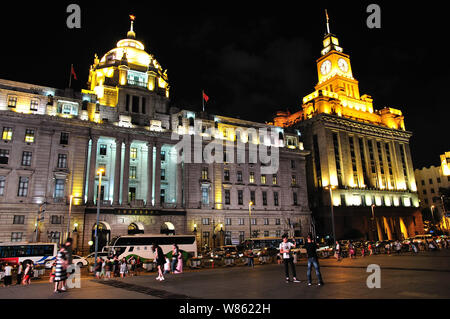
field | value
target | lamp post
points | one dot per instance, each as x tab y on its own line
100	173
443	211
331	187
373	222
250	204
70	212
432	214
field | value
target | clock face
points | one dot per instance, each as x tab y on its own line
325	68
343	65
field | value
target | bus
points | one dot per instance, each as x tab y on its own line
38	253
270	244
140	245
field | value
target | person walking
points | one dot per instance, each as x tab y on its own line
175	252
414	248
61	270
98	267
123	268
138	265
160	260
27	273
285	250
338	251
116	267
398	247
351	251
179	268
251	256
8	275
132	262
311	251
19	273
108	267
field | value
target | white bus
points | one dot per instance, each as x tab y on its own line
140	245
38	253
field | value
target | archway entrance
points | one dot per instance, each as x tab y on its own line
168	228
104	234
135	228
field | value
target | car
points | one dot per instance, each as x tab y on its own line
76	260
90	257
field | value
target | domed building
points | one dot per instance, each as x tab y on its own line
130	85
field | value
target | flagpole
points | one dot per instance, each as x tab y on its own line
70	78
203	100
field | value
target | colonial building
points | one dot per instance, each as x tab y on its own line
119	142
360	157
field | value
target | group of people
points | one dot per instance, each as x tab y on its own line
24	272
164	265
108	268
58	274
288	260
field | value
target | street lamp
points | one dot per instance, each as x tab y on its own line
432	214
100	172
373	222
70	211
331	187
250	204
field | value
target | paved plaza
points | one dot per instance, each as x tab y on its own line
425	276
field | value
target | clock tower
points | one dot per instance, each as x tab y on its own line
334	68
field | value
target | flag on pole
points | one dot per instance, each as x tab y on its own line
205	97
132	17
72	72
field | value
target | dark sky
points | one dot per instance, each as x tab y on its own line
252	58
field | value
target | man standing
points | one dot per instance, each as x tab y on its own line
311	250
8	275
285	250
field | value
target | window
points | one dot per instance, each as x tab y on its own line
241	221
19	219
423	182
133	171
16	236
135	104
12	101
34	104
239	176
205	221
2	185
64	138
162	196
293	180
264	196
62	161
133	152
438	180
430	181
274	179
55	236
277	221
227	197
278	233
23	187
266	221
206	238
252	178
240	197
275	198
432	191
103	148
163	156
241	236
226	175
228	221
263	179
4	156
29	135
253	221
163	174
205	195
295	199
59	188
292	164
424	191
252	197
26	158
266	233
7	134
227	238
204	173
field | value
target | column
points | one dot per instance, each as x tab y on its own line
126	172
149	174
92	170
117	171
179	185
158	175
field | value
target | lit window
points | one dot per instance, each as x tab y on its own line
133	153
205	221
62	161
274	179
163	174
133	171
26	158
205	195
29	135
7	133
12	101
2	185
103	148
263	179
205	173
16	236
34	105
23	187
252	178
59	188
293	180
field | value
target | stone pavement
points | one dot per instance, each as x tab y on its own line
423	276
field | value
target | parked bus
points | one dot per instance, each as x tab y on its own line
140	245
261	243
38	253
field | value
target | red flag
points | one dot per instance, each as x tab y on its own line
72	71
205	97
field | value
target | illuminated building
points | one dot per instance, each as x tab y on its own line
54	142
361	151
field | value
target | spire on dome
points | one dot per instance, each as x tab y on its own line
131	34
328	22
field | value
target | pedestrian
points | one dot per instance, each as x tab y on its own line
8	275
19	273
123	268
387	248
338	251
116	266
351	250
132	262
166	266
414	248
370	249
160	260
363	250
98	267
108	267
61	270
138	265
175	252
398	247
179	268
250	256
27	274
285	250
103	270
311	251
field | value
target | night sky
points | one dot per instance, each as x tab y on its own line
252	58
